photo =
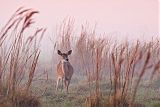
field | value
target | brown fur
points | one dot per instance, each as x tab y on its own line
64	71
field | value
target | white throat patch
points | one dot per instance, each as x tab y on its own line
63	61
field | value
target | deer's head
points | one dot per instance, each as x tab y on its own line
64	55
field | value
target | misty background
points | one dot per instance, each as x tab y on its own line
121	20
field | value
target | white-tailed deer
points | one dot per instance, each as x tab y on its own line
64	70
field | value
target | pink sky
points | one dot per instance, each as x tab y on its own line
130	18
133	17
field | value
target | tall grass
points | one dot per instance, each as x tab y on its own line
19	54
122	66
125	64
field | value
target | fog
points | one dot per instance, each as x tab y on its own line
120	19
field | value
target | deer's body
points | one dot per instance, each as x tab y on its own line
64	70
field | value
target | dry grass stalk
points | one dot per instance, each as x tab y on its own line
20	55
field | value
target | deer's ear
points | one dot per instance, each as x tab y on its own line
59	52
69	52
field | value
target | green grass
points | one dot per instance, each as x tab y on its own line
79	92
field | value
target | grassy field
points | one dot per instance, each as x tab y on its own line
80	91
107	73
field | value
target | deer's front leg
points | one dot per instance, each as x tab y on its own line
62	85
58	79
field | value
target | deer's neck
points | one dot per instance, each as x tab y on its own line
63	65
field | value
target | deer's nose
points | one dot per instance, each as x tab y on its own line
66	59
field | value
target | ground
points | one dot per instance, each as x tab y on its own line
79	91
